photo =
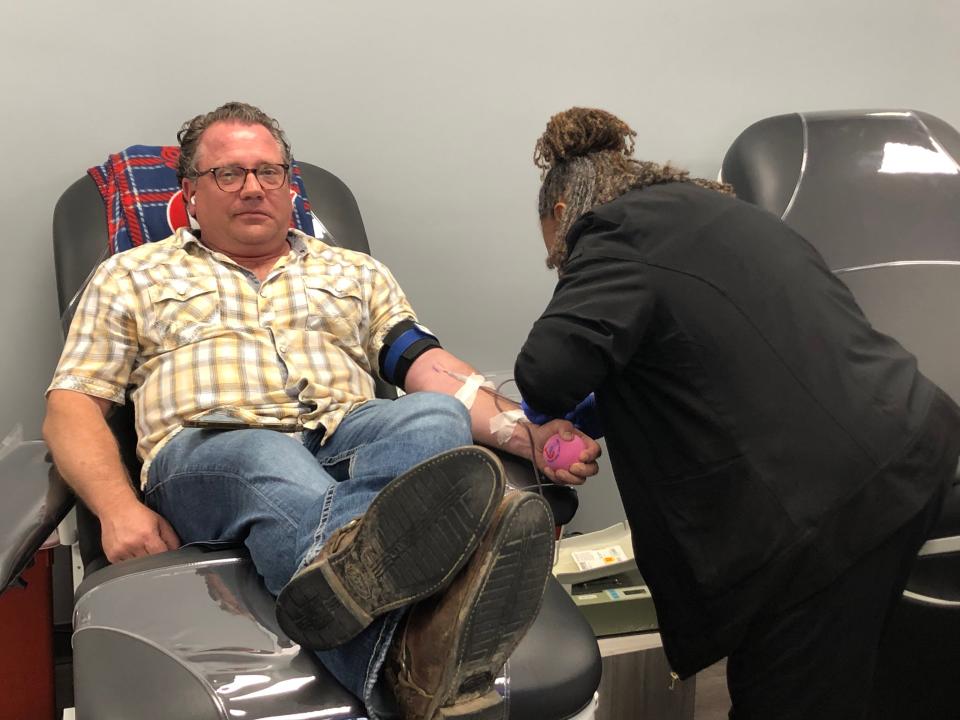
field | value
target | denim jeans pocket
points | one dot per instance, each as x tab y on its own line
340	466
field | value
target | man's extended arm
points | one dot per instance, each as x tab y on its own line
390	313
87	456
424	375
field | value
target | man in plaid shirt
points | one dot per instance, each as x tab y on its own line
251	350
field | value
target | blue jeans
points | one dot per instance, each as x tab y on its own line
283	499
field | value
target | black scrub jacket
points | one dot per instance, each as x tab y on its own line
762	434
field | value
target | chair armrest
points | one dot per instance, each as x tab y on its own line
159	562
35	500
563	499
948	524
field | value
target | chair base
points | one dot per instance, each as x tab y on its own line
181	634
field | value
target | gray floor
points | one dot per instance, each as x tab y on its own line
712	701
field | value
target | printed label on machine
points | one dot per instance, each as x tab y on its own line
591	559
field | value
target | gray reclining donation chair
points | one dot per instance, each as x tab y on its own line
878	194
191	634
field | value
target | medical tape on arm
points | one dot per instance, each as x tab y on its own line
471	385
503	425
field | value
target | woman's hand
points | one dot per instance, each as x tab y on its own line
586	464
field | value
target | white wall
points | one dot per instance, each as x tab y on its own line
429	111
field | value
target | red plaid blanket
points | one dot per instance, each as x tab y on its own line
143	200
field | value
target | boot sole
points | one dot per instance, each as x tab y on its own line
412	541
506	602
487	707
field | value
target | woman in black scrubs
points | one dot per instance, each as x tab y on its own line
779	460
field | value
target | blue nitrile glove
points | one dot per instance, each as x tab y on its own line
584	416
537	418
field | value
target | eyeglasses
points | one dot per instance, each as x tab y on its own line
231	178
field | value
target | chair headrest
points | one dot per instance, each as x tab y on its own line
865	187
144	202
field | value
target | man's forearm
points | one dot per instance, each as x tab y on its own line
427	373
85	451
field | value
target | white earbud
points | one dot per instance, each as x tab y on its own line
193	200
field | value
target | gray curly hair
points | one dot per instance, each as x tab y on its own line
192	130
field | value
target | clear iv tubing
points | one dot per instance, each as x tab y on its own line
497	396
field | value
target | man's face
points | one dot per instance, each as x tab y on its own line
245	220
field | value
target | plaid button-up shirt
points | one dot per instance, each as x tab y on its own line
191	331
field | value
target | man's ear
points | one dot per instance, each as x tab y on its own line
186	187
558	211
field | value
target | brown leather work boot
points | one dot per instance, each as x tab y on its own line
448	651
411	542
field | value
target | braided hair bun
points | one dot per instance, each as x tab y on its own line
586	159
580	131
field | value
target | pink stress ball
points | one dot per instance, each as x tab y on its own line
560	454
